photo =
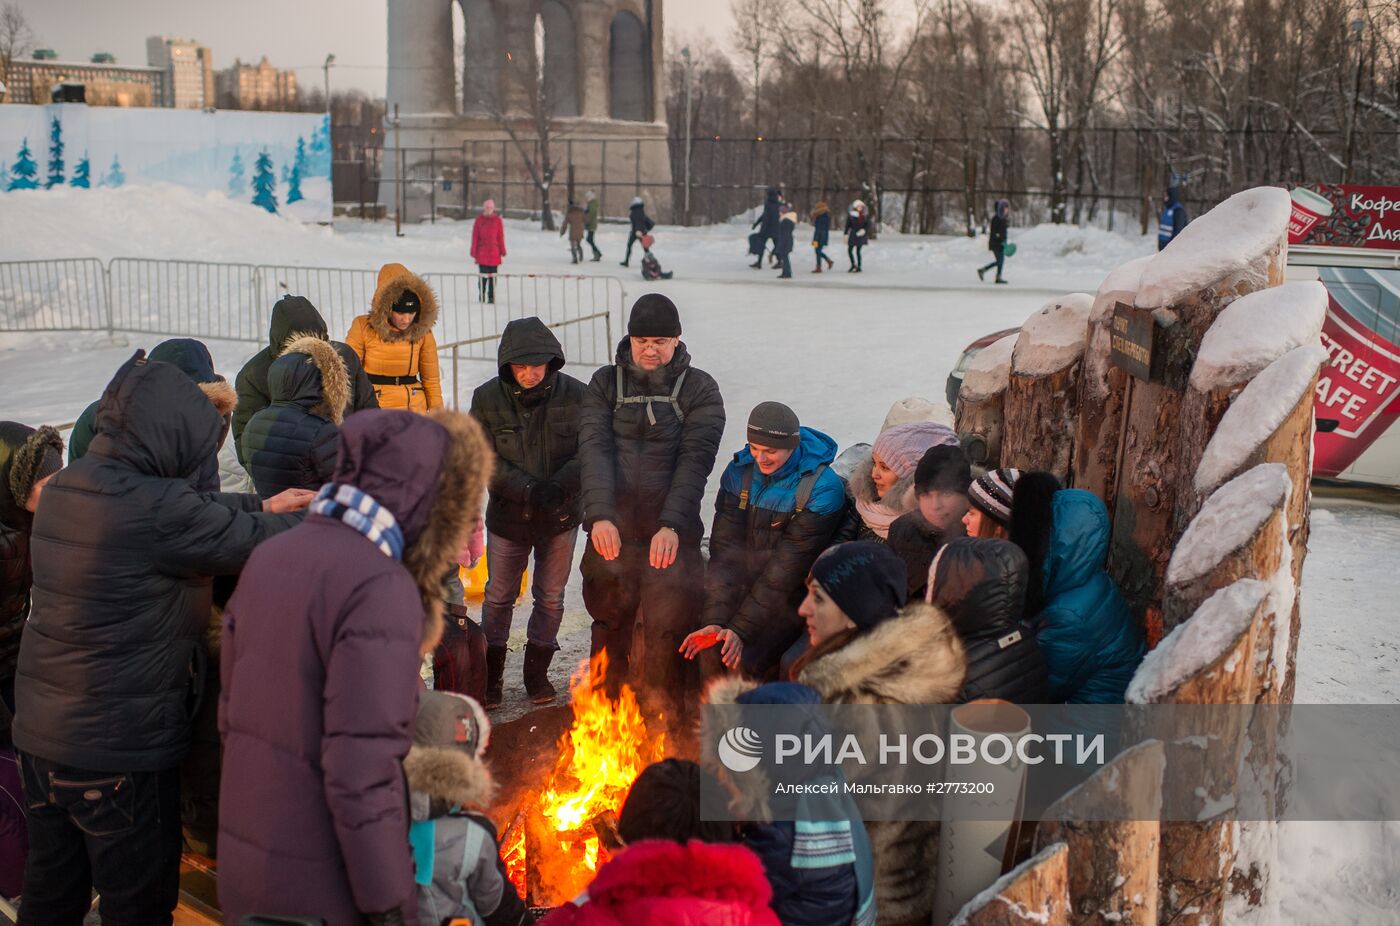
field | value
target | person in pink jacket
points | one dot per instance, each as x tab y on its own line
488	248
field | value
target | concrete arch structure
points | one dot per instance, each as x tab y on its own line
602	76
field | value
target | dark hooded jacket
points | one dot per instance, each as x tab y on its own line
194	359
644	466
915	541
112	662
641	222
760	555
320	657
20	449
767	223
291	444
981	586
535	435
787	226
292	316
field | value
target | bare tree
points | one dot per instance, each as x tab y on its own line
525	70
16	37
752	35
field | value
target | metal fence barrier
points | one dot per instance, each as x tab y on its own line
233	302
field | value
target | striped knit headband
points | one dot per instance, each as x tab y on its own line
991	493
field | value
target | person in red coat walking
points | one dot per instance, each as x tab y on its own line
488	248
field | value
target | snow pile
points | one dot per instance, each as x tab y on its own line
1256	413
1121	285
1255	330
1053	338
1228	519
990	893
988	372
1197	643
1226	241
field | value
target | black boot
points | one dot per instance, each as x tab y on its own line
495	672
537	686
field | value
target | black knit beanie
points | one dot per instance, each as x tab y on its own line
865	579
664	803
773	424
654	316
408	303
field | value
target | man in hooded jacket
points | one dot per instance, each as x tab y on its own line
767	223
111	665
648	438
292	317
530	412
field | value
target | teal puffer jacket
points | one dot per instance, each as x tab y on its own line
1091	643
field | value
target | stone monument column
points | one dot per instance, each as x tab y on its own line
420	35
593	18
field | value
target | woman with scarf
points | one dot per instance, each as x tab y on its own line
882	486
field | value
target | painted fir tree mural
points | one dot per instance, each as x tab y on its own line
265	183
55	154
82	174
24	175
319	162
237	177
115	177
298	171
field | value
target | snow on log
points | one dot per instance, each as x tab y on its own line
1042	398
1034	893
1239	533
1204	660
1242	242
1237	248
1112	869
981	401
1102	389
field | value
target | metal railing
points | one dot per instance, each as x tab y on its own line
233	301
455	347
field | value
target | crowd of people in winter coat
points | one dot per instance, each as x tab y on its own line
777	225
345	791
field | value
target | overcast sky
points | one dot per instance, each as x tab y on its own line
291	33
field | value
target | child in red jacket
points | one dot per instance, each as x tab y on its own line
488	248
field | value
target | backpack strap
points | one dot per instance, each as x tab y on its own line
676	394
674	398
744	488
805	487
617	403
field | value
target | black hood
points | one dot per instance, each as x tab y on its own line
12	437
295	378
191	356
153	419
293	315
527	339
981	585
773	194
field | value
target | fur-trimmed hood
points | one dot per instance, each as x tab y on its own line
449	778
394	281
322	386
221	395
913	658
22	452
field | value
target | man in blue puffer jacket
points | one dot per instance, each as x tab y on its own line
778	506
1091	643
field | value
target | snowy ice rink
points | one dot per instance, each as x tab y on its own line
839	348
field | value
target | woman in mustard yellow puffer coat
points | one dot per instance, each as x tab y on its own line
395	341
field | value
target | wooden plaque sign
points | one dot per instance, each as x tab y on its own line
1135	344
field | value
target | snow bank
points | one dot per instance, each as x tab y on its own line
1227	520
1255	330
1219	244
1121	285
1197	643
989	371
988	894
1256	413
1053	338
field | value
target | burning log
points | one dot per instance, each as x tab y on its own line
1042	397
981	401
1034	892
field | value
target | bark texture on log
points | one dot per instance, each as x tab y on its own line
980	424
1034	893
1113	866
1039	428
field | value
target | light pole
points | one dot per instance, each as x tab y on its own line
685	53
326	68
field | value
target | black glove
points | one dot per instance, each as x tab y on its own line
546	496
387	918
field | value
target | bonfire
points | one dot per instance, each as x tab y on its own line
566	829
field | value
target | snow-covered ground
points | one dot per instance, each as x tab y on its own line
839	348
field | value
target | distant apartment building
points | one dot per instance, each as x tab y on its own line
189	71
256	86
31	80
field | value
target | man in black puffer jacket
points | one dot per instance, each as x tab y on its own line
981	586
650	432
292	443
28	459
531	414
111	664
292	316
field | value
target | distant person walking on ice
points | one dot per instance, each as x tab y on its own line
783	248
767	223
641	224
1174	217
573	224
590	223
821	234
996	241
857	233
488	248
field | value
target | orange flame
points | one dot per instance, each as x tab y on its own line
599	757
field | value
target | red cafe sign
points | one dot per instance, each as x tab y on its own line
1343	216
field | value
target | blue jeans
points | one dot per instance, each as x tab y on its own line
505	564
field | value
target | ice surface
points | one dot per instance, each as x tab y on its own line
1053	337
990	370
1256	413
1255	330
1198	642
1232	515
1220	244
